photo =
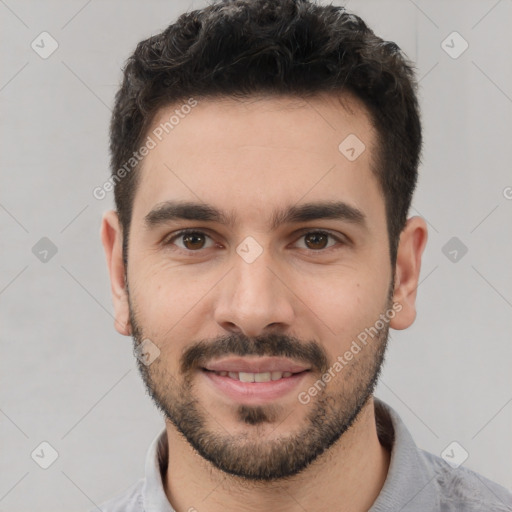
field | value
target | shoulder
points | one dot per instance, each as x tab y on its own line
461	489
129	500
421	481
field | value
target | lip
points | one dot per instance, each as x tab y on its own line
253	393
255	365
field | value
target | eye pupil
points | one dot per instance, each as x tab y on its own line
192	238
317	238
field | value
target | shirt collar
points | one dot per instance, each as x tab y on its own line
153	493
407	483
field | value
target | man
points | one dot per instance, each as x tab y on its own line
264	157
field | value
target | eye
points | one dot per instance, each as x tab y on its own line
190	240
319	240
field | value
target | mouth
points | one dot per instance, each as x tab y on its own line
254	380
255	377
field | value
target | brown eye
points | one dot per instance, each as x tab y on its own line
193	241
319	241
316	240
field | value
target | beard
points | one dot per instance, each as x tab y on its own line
253	456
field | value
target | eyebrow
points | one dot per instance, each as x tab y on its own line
178	210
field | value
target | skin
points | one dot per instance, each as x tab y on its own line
249	158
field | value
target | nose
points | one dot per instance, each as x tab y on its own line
255	298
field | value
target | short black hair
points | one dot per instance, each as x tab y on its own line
242	48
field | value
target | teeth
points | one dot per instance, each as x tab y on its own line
255	377
261	377
246	377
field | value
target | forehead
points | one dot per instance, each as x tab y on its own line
249	156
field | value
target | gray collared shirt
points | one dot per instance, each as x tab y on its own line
417	481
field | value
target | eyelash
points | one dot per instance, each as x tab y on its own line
190	231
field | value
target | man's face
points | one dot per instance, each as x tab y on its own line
257	291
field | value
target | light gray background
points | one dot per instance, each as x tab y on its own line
69	379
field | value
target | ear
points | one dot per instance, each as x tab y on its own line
112	240
413	240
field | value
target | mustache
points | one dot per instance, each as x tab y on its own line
277	345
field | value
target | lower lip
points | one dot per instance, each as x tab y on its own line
254	392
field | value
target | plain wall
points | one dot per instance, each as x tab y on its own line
69	379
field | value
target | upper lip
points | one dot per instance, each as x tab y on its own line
255	365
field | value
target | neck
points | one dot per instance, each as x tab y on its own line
348	477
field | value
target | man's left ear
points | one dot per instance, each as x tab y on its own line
413	240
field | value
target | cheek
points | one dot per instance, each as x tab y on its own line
345	304
164	290
171	303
